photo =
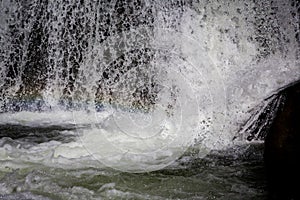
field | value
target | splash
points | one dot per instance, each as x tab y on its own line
148	78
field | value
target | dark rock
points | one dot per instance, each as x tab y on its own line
276	121
282	147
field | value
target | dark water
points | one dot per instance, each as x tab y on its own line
236	173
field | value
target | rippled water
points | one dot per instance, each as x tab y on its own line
43	157
181	77
29	171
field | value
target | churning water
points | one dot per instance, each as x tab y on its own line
140	99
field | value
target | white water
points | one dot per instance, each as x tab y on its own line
207	63
86	86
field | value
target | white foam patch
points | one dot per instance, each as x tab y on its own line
107	138
58	117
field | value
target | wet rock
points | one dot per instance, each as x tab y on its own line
282	147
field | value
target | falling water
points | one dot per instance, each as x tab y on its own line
136	86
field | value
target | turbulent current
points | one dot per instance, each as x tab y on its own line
139	99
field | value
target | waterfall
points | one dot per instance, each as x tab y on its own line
180	72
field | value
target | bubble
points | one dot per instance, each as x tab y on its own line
157	88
